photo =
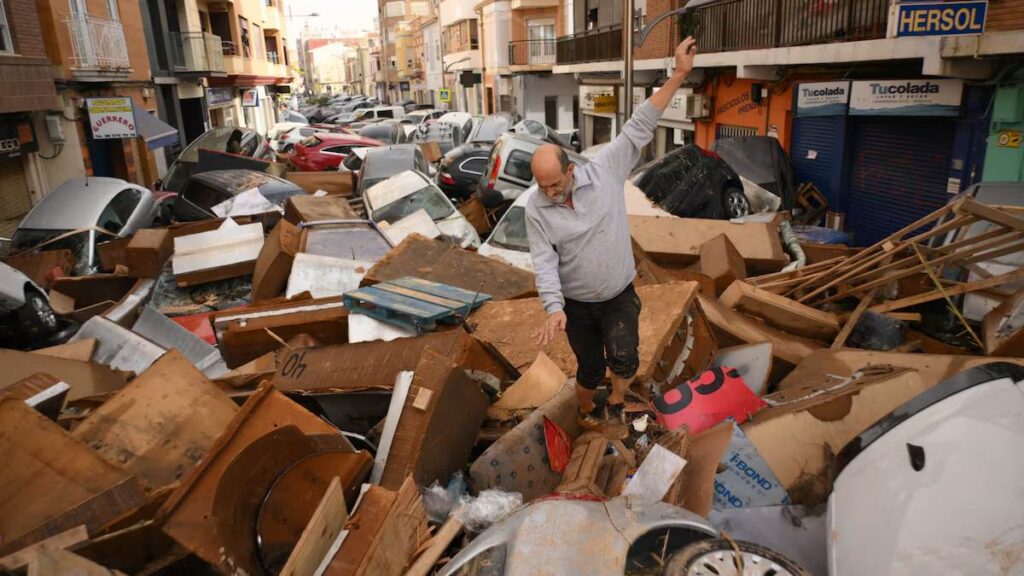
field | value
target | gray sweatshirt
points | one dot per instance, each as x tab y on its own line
584	253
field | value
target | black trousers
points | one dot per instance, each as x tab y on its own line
604	334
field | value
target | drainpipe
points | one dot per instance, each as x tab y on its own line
627	70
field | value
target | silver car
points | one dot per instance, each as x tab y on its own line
81	213
25	313
508	169
410	191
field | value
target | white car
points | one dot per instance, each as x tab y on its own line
408	192
25	313
285	135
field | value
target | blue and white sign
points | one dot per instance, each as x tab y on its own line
906	98
941	18
822	99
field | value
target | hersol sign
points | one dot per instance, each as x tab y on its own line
822	98
111	118
906	98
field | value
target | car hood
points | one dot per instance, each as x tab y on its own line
521	260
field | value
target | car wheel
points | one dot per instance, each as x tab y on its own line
37	315
718	557
287	148
735	203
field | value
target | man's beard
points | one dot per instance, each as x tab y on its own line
560	198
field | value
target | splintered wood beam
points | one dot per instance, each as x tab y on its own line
1015	276
848	327
992	214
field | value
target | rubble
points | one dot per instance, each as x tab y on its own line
293	425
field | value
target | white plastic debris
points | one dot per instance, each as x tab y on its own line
245	204
655	476
490	507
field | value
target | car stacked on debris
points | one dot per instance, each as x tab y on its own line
295	368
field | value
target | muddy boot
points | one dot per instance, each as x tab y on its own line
592	420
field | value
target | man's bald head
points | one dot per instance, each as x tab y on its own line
553	172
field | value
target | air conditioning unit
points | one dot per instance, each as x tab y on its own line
696	106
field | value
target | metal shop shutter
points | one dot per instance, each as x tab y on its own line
15	200
898	173
816	152
730	131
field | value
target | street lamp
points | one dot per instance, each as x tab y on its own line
638	41
445	68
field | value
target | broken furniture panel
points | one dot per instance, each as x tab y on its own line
41	391
215	510
419	222
334	183
52	482
117	347
43	267
265	366
382	533
274	263
81	350
57	561
299	209
781	312
680	239
23	557
85	378
703	454
168	334
439	261
148	251
83	297
592	471
535	387
439	424
161	424
324	276
720	261
245	334
140	548
227	252
318	537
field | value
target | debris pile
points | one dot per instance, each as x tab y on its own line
290	393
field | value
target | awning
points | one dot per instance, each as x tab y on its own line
153	130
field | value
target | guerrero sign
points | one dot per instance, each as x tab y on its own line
822	99
941	18
111	118
906	98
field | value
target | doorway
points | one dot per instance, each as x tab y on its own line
551	111
194	118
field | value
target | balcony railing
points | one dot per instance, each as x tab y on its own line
97	43
536	52
228	48
754	24
590	46
272	57
197	52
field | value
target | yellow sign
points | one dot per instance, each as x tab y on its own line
606	103
1008	138
444	95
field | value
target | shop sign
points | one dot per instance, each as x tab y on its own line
17	137
250	98
403	86
906	98
111	118
600	99
219	96
822	99
941	18
1008	138
676	109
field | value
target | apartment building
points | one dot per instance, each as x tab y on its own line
428	45
28	95
97	48
330	69
462	63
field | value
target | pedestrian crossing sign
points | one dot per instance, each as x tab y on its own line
444	95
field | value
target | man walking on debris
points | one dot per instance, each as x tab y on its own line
582	253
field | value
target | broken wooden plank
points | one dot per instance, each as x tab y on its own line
720	261
439	261
161	424
79	351
63	540
781	312
955	290
435	547
1003	328
51	561
318	537
788	348
851	322
680	239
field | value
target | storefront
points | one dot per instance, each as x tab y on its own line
221	103
17	140
743	107
888	152
599	107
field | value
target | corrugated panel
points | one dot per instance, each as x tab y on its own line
14	196
898	173
816	150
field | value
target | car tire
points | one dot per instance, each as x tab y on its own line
36	316
735	203
717	556
286	148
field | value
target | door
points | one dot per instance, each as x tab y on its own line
899	169
551	112
541	34
817	154
194	118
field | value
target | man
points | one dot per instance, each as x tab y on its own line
582	253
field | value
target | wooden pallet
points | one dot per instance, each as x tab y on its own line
414	303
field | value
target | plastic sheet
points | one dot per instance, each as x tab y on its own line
490	507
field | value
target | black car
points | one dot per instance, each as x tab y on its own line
462	166
763	161
692	182
205	190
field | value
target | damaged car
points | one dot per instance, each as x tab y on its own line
244	142
25	313
409	192
204	191
691	182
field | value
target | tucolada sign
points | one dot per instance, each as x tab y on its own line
822	98
906	98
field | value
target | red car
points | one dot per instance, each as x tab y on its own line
323	151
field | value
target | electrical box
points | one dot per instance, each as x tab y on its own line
54	129
696	106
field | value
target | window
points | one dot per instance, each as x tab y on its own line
119	210
474	166
112	10
427	198
257	47
343	150
6	45
518	165
541	34
243	27
394	9
420	8
385	113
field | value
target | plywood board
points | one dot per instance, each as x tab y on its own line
80	351
229	251
720	261
274	262
680	239
26	555
299	209
703	453
161	424
439	261
318	537
785	347
334	183
46	474
86	379
243	334
52	561
538	385
781	312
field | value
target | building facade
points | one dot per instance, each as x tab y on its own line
27	104
462	58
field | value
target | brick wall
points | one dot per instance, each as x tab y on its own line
24	21
663	39
28	84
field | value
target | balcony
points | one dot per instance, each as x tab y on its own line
272	57
539	54
197	52
757	24
590	46
99	50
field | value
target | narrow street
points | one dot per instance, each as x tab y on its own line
511	287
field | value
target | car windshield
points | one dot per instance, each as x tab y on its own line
81	244
490	130
511	231
220	139
427	198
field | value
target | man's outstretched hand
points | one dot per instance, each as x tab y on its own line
685	52
552	326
